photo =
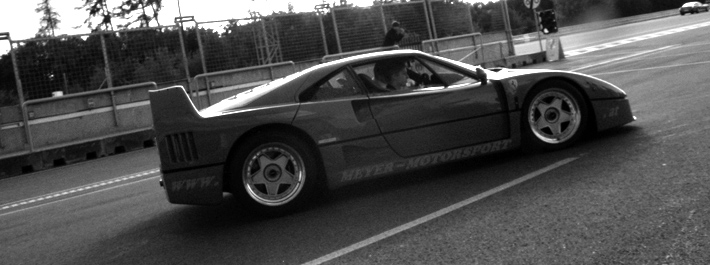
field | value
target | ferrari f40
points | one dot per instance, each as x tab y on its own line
277	146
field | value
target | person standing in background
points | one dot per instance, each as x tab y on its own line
394	35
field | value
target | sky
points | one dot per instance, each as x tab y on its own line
22	22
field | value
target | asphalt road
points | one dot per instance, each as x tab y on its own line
638	194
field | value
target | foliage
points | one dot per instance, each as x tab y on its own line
126	10
49	21
98	8
144	18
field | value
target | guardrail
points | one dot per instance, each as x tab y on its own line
91	109
55	131
227	77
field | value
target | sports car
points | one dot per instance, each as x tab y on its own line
277	146
692	7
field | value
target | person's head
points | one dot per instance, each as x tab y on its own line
392	72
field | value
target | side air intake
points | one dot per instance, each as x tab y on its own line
181	147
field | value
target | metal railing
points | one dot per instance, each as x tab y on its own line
472	43
113	108
208	85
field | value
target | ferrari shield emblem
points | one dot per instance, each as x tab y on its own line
513	83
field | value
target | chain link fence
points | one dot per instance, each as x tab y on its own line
451	19
170	55
49	67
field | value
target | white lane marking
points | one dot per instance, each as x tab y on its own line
78	196
621	58
632	40
653	68
77	189
436	214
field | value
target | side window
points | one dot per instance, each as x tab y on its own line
396	74
448	76
336	86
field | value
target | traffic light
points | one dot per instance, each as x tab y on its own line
548	22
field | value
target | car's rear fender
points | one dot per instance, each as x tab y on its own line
295	131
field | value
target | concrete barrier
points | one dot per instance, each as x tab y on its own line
66	129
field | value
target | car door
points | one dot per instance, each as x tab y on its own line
451	109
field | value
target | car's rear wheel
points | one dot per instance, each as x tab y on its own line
275	174
554	116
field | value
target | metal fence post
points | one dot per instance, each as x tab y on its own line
185	62
335	27
201	47
384	21
426	17
470	21
430	14
21	96
320	11
107	67
204	63
109	79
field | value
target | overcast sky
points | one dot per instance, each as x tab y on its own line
22	22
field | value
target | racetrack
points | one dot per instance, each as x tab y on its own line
636	194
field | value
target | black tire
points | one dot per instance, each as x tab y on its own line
274	174
554	116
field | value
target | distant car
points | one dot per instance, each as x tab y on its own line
278	145
692	8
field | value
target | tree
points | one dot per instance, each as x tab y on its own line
126	10
98	8
50	19
130	6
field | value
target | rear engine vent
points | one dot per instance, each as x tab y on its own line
181	147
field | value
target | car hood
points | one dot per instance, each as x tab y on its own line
525	79
505	73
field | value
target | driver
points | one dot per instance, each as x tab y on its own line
391	74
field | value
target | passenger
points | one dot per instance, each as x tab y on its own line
391	75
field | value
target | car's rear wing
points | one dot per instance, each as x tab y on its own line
172	109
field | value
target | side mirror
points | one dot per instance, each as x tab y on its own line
482	76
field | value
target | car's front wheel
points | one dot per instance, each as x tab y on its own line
554	116
274	174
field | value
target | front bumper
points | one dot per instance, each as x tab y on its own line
612	113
